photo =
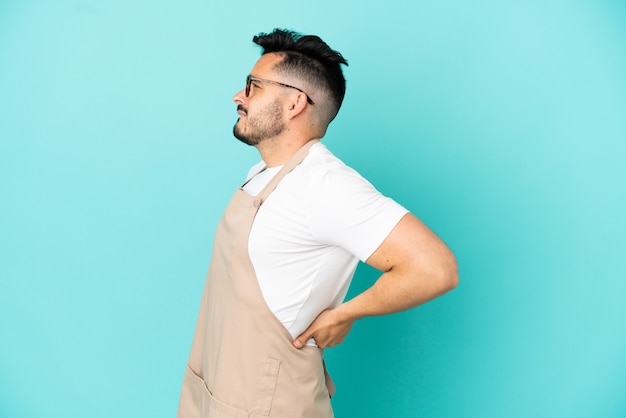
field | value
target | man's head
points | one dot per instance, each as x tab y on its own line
303	68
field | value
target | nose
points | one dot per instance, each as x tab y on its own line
240	97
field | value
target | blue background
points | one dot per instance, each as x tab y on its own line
501	124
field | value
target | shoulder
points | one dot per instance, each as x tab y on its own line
325	170
344	209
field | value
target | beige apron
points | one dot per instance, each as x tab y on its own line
242	363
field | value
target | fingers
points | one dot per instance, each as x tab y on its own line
325	330
302	339
298	342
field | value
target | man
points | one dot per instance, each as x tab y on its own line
288	244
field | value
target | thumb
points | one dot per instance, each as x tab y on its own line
302	339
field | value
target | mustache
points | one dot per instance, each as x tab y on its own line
243	109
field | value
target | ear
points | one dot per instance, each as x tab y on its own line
296	106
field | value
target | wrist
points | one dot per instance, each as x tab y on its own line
348	312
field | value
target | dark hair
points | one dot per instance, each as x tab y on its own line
308	57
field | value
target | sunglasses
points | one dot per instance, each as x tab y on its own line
250	79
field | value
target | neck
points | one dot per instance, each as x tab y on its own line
277	151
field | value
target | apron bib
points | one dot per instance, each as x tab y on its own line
242	363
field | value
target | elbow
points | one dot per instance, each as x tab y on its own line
448	273
453	277
453	272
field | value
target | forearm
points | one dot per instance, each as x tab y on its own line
396	291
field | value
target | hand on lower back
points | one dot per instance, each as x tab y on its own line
328	330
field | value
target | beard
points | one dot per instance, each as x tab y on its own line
264	125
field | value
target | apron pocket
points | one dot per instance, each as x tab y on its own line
192	397
199	401
267	386
219	409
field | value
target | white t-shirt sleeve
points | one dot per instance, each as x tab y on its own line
347	211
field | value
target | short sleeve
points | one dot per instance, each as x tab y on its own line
345	210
